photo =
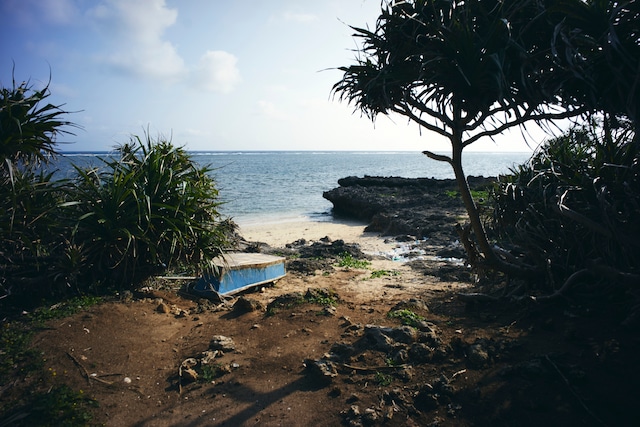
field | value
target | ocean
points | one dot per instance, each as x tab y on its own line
275	186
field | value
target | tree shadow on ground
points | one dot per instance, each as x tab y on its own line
259	401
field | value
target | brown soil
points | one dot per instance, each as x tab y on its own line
500	366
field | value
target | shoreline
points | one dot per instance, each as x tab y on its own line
279	234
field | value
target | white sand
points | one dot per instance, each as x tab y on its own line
359	287
279	234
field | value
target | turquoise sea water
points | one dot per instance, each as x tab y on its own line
271	186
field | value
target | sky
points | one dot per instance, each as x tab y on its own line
208	74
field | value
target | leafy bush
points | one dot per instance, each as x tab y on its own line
149	209
60	406
30	233
575	205
25	200
28	129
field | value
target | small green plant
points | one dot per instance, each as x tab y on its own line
480	196
64	309
376	274
60	406
346	260
324	301
15	354
389	361
210	372
383	379
323	297
407	317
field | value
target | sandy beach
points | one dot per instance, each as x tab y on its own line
278	234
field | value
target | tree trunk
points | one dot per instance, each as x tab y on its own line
486	249
472	209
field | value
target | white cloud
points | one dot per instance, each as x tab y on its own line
195	132
136	29
299	17
271	111
138	46
217	71
65	90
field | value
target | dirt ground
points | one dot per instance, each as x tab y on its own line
468	366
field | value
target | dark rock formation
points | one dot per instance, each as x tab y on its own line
421	207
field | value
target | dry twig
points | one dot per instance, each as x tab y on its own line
85	372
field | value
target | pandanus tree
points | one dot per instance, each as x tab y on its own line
574	206
29	128
598	43
466	70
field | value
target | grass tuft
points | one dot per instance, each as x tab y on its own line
407	317
346	260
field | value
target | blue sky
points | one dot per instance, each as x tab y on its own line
210	74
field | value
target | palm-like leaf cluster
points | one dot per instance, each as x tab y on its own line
29	230
574	206
150	208
28	129
472	69
597	44
465	70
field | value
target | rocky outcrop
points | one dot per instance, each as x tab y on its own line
421	207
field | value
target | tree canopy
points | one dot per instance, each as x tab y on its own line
464	70
468	70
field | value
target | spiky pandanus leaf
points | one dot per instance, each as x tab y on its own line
149	208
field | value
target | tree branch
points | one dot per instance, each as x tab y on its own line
406	111
423	108
438	157
523	119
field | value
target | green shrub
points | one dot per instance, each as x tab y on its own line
150	208
210	372
575	204
31	236
59	406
